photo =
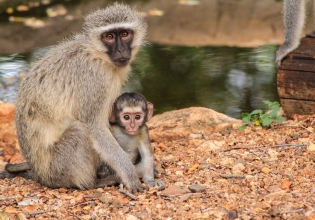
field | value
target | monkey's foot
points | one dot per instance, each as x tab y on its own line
154	183
312	34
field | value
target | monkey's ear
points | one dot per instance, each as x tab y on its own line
112	116
150	110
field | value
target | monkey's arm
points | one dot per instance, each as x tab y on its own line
146	166
293	16
110	152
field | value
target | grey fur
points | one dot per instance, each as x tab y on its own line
293	18
138	146
64	102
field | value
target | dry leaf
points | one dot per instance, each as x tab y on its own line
173	191
30	208
87	207
193	168
122	200
265	170
311	147
11	209
286	184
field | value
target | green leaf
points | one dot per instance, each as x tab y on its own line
255	118
267	102
242	128
275	108
266	121
256	112
274	114
246	119
244	114
279	119
264	116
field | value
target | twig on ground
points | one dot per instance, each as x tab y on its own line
311	193
307	129
235	148
83	203
121	189
7	198
292	211
289	145
39	212
232	176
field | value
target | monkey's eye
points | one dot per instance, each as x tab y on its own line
137	117
109	37
124	34
126	117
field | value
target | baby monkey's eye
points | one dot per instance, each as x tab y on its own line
126	117
137	117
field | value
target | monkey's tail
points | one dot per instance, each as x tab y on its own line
5	174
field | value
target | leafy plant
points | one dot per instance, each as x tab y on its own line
3	216
263	119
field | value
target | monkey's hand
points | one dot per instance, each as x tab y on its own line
154	183
135	186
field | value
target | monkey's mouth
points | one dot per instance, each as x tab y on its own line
132	132
121	62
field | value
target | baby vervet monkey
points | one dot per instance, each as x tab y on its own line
127	122
293	18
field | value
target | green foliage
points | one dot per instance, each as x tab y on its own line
263	119
3	216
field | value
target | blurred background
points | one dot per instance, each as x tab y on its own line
217	54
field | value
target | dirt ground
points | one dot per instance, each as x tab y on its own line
212	170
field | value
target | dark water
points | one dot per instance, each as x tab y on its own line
227	79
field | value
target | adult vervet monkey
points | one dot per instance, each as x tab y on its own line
63	101
293	17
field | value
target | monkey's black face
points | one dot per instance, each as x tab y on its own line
118	43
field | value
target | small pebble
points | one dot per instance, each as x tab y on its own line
232	214
265	170
196	188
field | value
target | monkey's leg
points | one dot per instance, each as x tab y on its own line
294	16
106	177
114	156
74	162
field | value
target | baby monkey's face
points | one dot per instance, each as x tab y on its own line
132	118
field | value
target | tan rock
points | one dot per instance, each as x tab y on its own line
181	123
8	137
7	125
